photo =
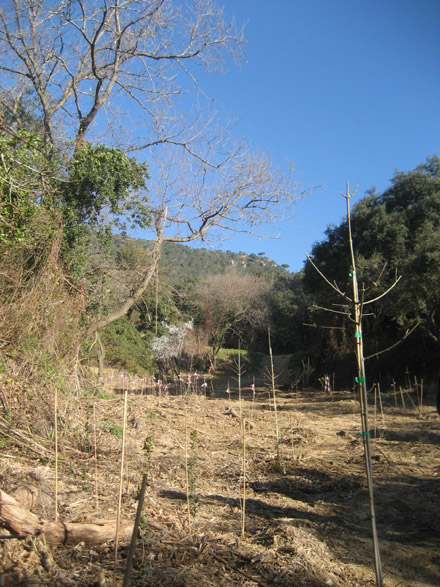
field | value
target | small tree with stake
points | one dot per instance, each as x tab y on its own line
355	314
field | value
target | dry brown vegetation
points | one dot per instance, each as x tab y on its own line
306	513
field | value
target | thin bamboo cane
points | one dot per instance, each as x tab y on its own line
410	398
239	381
381	406
96	459
243	509
401	395
274	395
56	452
375	411
253	397
188	505
121	479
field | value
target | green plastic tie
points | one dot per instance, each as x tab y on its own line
367	433
358	334
352	274
359	379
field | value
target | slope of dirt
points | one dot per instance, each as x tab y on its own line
306	510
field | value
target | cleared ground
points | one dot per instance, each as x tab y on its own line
306	504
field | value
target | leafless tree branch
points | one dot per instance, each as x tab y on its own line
407	333
334	285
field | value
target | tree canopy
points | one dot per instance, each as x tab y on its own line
92	82
396	233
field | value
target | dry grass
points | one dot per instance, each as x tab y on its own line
308	526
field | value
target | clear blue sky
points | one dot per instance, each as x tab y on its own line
347	89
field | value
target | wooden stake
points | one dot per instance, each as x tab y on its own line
121	479
56	452
381	406
401	395
375	411
243	509
96	459
188	506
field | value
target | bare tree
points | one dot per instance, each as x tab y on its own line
82	59
230	303
118	70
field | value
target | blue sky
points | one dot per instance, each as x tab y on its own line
347	89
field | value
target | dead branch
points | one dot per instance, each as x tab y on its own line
21	521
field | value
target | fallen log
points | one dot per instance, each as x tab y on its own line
22	521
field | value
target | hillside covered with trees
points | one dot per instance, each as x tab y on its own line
395	235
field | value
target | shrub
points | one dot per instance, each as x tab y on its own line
125	347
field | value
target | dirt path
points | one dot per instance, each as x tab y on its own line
307	518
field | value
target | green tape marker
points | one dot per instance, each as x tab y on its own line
364	433
358	334
359	379
352	274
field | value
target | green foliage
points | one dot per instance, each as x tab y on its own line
42	190
182	263
104	396
104	181
288	309
398	230
125	347
25	179
247	356
113	428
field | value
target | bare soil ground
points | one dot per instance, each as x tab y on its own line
307	516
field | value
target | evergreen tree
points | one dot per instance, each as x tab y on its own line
394	233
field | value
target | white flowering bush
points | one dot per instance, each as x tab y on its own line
169	346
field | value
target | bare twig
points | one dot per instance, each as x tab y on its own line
121	479
334	286
407	333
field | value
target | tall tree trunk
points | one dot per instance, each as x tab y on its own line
137	291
